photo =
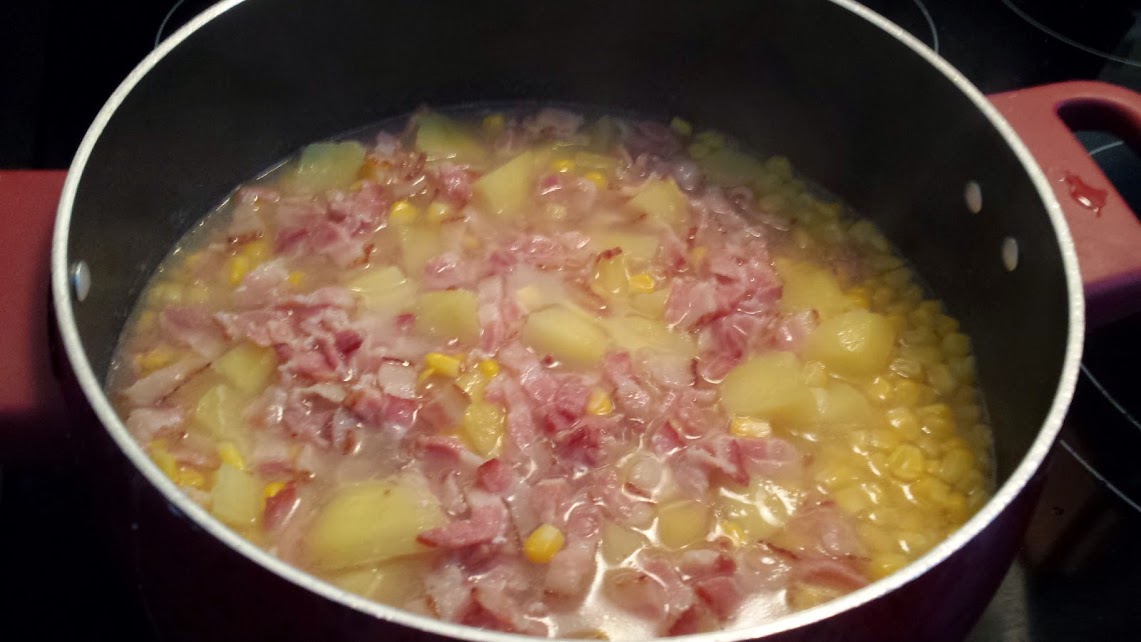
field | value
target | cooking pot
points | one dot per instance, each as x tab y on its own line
856	103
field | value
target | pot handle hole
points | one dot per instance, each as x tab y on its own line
32	421
1106	233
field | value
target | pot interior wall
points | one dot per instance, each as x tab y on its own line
855	110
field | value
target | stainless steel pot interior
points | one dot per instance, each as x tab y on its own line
857	104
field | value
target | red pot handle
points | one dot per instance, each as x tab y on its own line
1107	234
32	424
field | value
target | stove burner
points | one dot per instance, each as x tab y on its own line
1103	21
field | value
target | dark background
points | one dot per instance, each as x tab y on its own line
1080	571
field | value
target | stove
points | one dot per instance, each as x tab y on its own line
1077	573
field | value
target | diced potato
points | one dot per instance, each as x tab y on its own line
652	305
761	509
640	248
483	428
566	335
633	333
662	201
373	522
810	287
393	582
838	405
417	246
507	189
326	166
219	410
237	497
248	367
606	163
857	343
611	277
682	523
384	290
767	386
619	542
442	138
448	314
730	167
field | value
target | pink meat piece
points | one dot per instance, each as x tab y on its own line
495	477
448	591
263	285
379	410
695	619
487	521
549	500
821	530
679	596
703	563
719	454
629	396
447	271
194	328
771	458
636	592
571	570
837	573
147	423
649	137
453	183
280	508
500	317
721	594
691	302
552	123
270	456
160	383
397	380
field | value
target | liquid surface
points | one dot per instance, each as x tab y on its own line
610	379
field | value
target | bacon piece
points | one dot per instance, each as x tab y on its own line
147	423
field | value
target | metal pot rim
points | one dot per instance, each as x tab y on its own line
1011	488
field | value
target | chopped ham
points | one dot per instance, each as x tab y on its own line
157	385
147	423
487	521
194	328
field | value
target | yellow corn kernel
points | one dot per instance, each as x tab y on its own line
442	364
489	367
162	458
155	358
229	454
599	402
238	267
438	212
681	126
956	344
542	544
954	465
698	254
642	283
272	489
597	178
941	379
882	296
165	294
749	427
257	250
921	336
296	277
881	390
734	531
470	242
884	439
905	423
815	374
932	490
907	392
562	165
945	325
907	462
851	499
710	138
194	260
494	123
146	320
192	477
859	298
885	564
403	213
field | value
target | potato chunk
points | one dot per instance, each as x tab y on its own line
417	246
662	201
448	314
384	290
393	582
634	332
483	428
566	335
810	287
237	497
767	386
640	248
325	166
730	167
372	522
442	138
856	343
620	542
507	189
219	410
247	367
683	523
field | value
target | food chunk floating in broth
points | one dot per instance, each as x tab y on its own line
529	372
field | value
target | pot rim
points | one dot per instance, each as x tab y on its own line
1005	494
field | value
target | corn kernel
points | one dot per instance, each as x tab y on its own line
155	358
941	379
956	463
710	138
945	325
489	367
438	212
859	298
238	267
880	389
851	499
562	165
749	427
272	489
681	126
542	544
470	242
884	439
494	123
295	277
913	543
698	254
933	490
906	462
922	336
191	477
956	345
907	368
963	369
165	294
598	178
882	296
599	402
734	531
257	249
905	423
885	564
642	283
907	392
403	213
229	454
442	364
194	260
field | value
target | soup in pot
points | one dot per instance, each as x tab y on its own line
606	378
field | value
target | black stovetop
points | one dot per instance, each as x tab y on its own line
1076	576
